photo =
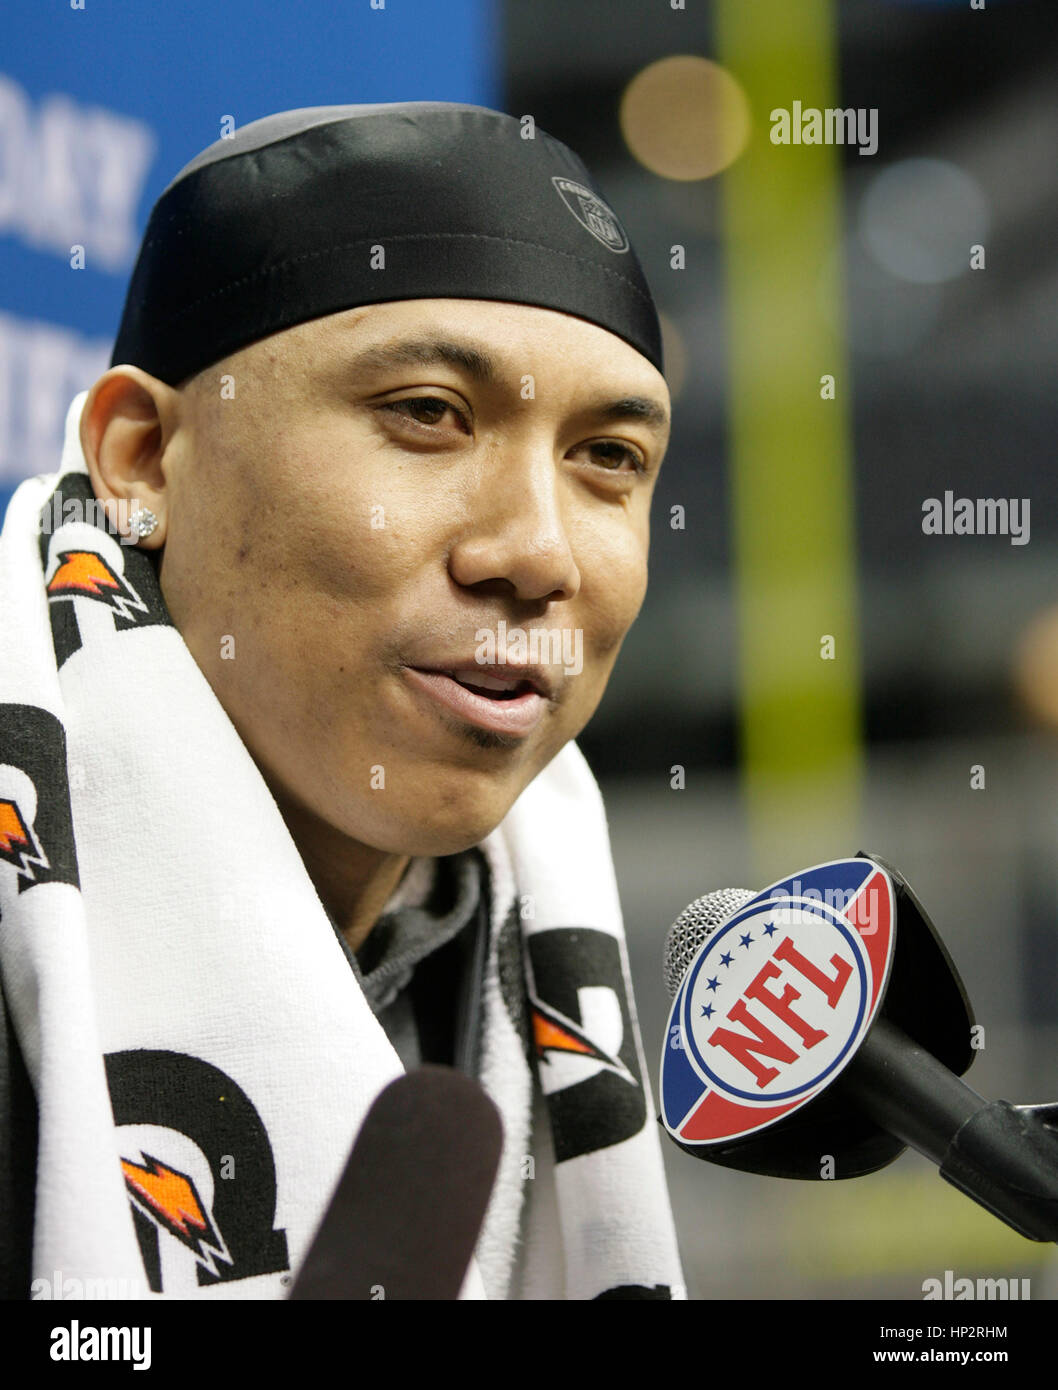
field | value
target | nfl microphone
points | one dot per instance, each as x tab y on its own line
804	1024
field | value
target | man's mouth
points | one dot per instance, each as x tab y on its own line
503	704
491	687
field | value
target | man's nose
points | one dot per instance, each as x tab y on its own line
516	529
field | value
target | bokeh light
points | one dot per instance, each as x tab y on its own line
919	218
685	118
1036	668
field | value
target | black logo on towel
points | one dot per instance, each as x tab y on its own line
231	1236
585	1045
36	824
75	561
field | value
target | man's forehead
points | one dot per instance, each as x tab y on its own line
485	340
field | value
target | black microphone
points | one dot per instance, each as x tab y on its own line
407	1211
809	1039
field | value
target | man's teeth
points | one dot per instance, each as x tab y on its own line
484	682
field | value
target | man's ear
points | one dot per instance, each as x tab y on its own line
126	425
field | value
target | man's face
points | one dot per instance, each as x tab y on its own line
386	485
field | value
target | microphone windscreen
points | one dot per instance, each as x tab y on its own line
409	1207
691	928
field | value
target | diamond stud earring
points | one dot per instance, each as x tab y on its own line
142	523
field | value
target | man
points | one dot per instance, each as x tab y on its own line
298	802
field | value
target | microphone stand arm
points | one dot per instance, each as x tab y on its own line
1003	1156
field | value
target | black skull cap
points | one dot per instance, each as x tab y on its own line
313	211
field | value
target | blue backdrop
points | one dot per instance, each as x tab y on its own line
103	101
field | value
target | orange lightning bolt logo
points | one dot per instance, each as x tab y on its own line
84	573
552	1033
17	842
172	1202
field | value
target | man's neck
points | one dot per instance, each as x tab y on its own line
354	880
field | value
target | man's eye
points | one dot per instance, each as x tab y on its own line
617	457
424	410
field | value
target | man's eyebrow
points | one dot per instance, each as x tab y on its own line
427	352
642	408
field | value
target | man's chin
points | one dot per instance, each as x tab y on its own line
439	822
433	838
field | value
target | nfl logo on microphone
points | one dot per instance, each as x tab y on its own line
777	1001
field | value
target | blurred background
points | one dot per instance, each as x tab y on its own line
848	335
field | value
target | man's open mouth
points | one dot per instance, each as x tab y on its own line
507	705
490	687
